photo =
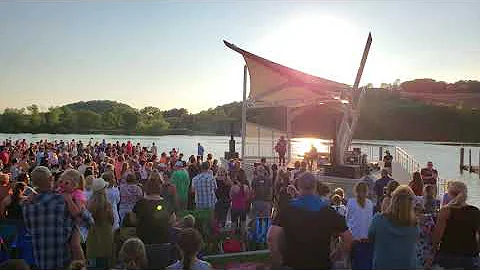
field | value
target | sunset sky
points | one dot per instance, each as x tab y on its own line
170	54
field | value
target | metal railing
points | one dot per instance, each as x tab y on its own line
407	161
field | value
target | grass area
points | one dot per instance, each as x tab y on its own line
222	261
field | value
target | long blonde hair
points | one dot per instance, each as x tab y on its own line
361	192
401	211
459	190
99	206
74	176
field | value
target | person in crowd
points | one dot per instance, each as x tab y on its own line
5	188
200	152
204	186
262	192
387	161
127	230
416	184
133	255
281	149
238	174
14	264
359	217
281	194
11	206
153	215
168	190
130	193
340	192
338	205
390	188
424	248
429	174
239	196
113	196
181	181
223	196
71	185
154	149
323	190
190	243
49	221
300	235
100	235
394	233
446	198
214	167
300	172
457	230
379	188
430	201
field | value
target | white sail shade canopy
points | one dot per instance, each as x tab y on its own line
275	85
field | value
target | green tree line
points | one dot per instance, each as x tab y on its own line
384	115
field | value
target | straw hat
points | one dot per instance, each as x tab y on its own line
99	184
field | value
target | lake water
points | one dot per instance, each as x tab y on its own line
444	157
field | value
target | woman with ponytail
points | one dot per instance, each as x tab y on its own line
190	243
359	218
457	231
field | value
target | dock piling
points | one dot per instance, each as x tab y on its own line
470	168
462	157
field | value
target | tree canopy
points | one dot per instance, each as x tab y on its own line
385	114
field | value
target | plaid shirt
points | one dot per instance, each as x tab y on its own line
204	186
49	222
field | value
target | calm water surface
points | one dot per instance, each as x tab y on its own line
445	157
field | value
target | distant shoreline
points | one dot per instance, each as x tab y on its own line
362	141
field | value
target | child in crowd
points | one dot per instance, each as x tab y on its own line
125	232
430	201
338	205
340	192
71	185
424	246
389	189
190	242
133	255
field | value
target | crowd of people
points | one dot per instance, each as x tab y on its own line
102	205
107	205
384	225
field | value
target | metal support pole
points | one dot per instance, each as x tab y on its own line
380	153
289	136
462	158
244	111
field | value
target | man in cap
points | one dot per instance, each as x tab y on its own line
301	233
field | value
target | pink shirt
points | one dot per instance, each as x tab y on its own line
79	196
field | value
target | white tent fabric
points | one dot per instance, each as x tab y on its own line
273	85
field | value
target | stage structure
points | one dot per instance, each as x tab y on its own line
275	85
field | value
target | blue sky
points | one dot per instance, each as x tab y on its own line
170	54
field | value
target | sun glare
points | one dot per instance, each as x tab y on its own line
325	46
302	145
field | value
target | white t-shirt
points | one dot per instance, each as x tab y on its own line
358	218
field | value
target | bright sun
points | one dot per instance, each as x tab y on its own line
324	46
